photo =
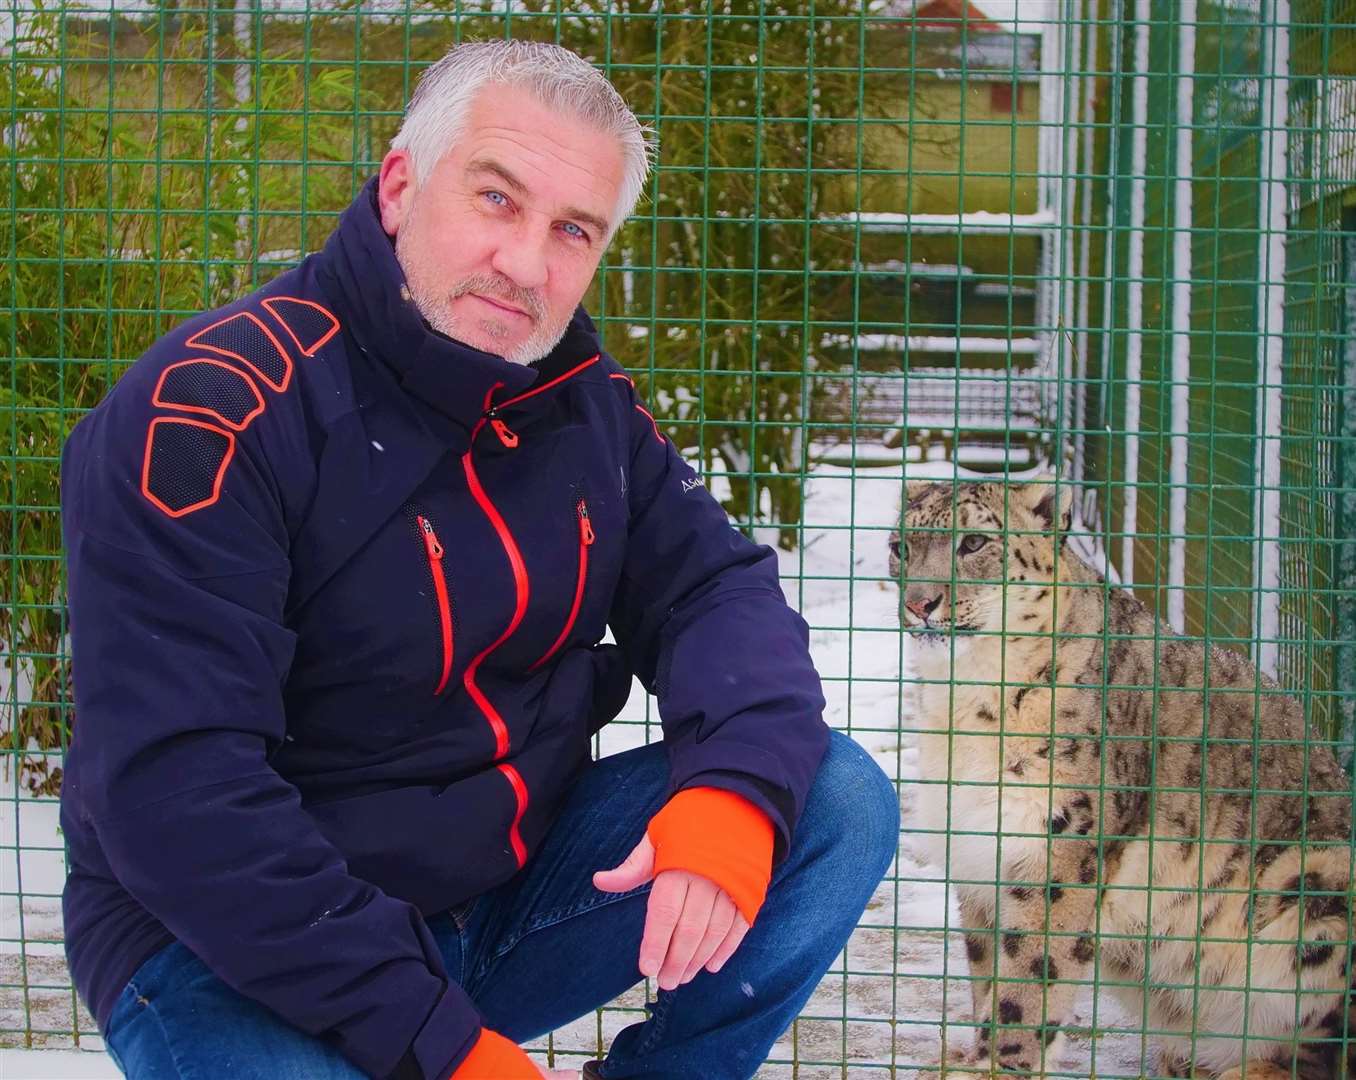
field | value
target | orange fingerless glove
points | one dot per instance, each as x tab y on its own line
495	1058
721	836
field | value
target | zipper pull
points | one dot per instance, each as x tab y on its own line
431	545
502	430
585	526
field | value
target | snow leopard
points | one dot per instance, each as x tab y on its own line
1122	805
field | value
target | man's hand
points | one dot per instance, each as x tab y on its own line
690	923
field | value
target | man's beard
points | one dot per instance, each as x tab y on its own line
434	303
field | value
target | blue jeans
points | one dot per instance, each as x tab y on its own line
547	947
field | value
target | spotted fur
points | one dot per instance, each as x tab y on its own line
1165	825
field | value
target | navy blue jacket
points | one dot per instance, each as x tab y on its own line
337	585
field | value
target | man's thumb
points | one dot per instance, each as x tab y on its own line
633	873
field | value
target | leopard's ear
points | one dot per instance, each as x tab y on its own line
1049	500
915	491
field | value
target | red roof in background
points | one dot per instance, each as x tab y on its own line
953	15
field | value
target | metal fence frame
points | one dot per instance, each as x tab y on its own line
1178	210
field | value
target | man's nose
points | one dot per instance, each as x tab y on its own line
923	607
522	258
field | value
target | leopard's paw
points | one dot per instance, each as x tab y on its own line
958	1064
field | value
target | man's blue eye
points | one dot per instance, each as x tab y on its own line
497	197
575	230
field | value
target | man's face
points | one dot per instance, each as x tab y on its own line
501	242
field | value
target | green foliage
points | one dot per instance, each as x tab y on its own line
123	221
725	289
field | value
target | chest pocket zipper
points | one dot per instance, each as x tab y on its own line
434	550
586	538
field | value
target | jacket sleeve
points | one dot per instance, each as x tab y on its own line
179	658
707	629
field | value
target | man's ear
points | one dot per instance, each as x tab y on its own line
396	187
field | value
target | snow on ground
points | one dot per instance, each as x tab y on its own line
882	1004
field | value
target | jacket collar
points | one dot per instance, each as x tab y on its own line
358	269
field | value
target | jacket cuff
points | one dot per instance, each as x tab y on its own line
447	1037
495	1058
721	836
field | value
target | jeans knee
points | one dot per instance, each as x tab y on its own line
854	807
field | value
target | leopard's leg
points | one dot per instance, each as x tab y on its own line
1045	944
1301	909
981	944
1325	1050
969	1042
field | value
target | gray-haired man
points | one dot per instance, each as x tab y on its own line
334	814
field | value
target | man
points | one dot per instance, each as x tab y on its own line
341	556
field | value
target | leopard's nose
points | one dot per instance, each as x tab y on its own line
923	608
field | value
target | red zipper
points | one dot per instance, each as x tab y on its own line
496	722
520	583
581	510
507	437
519	786
546	385
435	565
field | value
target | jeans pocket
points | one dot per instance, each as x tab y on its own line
461	913
118	1020
136	1040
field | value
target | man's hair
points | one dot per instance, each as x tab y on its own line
555	76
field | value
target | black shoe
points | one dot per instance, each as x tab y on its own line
590	1071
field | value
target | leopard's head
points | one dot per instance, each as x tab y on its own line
978	558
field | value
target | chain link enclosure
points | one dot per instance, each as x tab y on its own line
1109	240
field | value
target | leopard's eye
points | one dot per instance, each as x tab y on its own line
971	543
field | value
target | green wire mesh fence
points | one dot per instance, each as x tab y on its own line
1107	241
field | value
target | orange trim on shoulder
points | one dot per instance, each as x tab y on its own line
721	836
649	416
306	350
221	469
627	378
282	353
204	409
